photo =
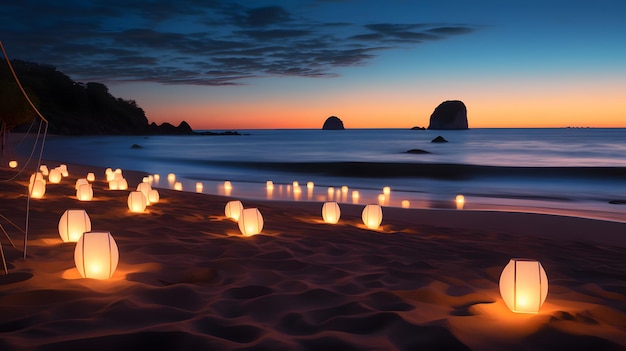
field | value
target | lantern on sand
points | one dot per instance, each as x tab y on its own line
310	185
96	255
37	188
114	184
523	285
91	176
331	212
372	216
84	192
36	176
178	186
137	201
228	185
355	196
110	175
153	196
73	224
156	177
406	204
12	164
81	181
122	184
233	209
250	221
386	190
381	199
44	170
63	169
269	185
144	187
199	187
54	176
460	202
171	177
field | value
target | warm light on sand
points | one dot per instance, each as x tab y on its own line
12	164
91	176
406	204
54	176
96	255
250	221
344	189
269	185
355	196
524	285
73	224
386	190
157	177
331	212
381	199
178	186
153	196
228	185
37	188
144	187
84	192
171	177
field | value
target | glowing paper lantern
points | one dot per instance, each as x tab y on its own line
137	201
405	204
331	191
460	202
73	224
178	186
381	199
96	255
344	189
114	184
91	176
310	185
44	170
63	169
296	184
523	285
84	192
12	164
36	176
331	212
228	185
157	177
372	216
355	196
54	176
171	177
144	187
233	209
80	182
110	175
37	188
153	196
386	190
199	187
122	184
269	185
250	221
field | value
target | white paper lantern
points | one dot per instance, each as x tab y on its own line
37	188
54	176
228	185
12	164
153	196
110	175
44	170
406	204
331	212
178	186
344	189
199	187
250	221
381	199
81	181
114	184
144	187
524	285
295	184
372	216
122	184
171	177
386	190
96	255
91	177
269	185
310	185
84	192
233	209
63	169
157	177
36	176
460	202
137	201
73	224
355	196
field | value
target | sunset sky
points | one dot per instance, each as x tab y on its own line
224	65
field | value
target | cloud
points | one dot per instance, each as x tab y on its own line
196	41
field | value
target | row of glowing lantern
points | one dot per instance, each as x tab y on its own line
37	183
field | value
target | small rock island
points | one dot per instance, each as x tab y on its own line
333	123
449	115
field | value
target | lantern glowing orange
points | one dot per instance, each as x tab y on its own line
122	184
44	170
381	199
405	204
331	212
137	201
228	185
250	221
233	209
153	196
269	185
199	187
37	188
63	170
114	184
84	192
12	164
73	224
171	177
372	216
81	181
310	185
460	202
156	177
54	176
524	285
355	196
144	187
178	186
386	190
91	176
96	255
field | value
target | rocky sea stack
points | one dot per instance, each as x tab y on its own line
449	115
333	123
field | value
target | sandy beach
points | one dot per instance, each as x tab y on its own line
188	280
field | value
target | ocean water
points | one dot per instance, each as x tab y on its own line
576	171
